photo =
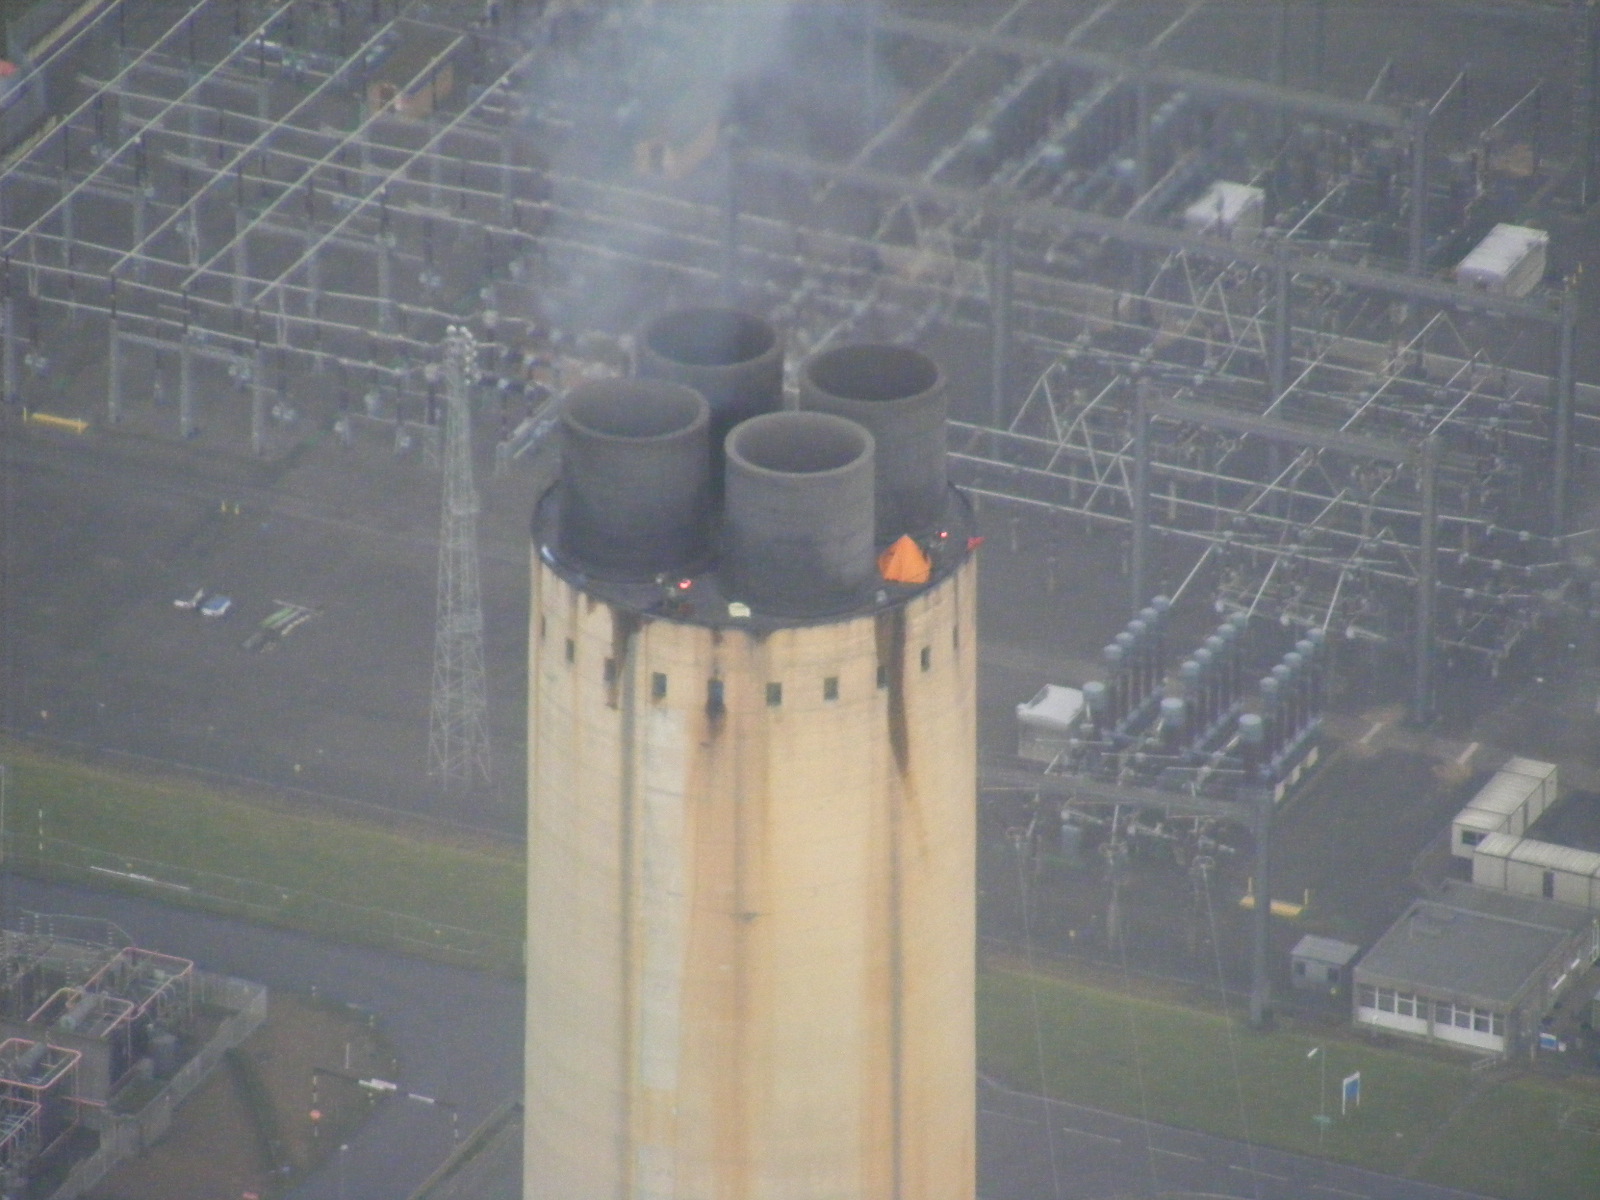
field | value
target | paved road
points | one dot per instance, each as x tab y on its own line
458	1034
1087	1154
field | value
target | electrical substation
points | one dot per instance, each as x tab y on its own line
1263	330
1284	379
99	1041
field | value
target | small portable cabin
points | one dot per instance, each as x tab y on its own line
417	76
1321	964
1045	723
1227	210
1509	261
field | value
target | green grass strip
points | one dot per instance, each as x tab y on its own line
1422	1115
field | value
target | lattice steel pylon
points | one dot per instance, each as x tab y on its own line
458	722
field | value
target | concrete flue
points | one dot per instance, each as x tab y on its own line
635	477
732	358
899	395
799	513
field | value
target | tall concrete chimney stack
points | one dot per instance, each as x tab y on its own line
751	787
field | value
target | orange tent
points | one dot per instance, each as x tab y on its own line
904	562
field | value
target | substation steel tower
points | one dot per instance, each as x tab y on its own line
458	723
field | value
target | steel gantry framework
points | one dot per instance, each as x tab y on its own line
1345	436
458	720
1342	439
249	209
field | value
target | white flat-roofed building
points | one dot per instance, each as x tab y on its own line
1474	968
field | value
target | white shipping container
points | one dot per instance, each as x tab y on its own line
1542	780
1489	861
1470	827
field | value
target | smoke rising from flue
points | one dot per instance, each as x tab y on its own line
639	96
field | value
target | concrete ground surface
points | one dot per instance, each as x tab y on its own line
213	1148
98	538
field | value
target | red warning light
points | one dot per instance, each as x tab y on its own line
685	584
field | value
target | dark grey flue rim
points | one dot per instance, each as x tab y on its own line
709	337
873	373
635	410
798	444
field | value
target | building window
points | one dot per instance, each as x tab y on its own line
1464	1016
883	676
658	686
1405	1004
1299	968
955	637
774	695
1368	995
927	657
610	670
1333	974
1471	837
1549	885
715	704
572	650
830	688
1386	1000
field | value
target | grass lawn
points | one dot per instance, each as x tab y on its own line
1421	1115
327	874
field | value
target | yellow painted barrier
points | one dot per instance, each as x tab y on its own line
55	422
1278	908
